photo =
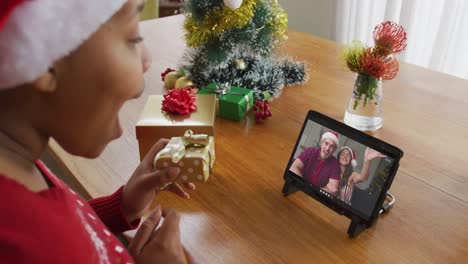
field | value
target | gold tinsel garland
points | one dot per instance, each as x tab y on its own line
279	21
199	33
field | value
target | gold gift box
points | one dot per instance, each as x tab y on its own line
155	123
193	154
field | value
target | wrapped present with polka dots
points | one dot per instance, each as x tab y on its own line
193	153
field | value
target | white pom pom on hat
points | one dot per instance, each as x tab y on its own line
331	135
353	155
35	34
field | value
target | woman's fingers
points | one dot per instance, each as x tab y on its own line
169	231
188	256
164	179
145	232
380	155
158	146
159	179
164	246
370	154
189	185
351	180
177	189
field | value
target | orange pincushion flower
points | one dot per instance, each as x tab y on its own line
390	38
391	68
371	64
377	62
374	65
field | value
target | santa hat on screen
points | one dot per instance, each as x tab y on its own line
36	33
353	155
331	135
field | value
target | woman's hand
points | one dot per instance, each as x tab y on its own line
161	245
353	179
370	154
146	182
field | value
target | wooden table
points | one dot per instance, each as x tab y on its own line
240	216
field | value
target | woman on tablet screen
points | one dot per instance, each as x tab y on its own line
347	159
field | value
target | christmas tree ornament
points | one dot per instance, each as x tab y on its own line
233	4
170	80
183	82
240	64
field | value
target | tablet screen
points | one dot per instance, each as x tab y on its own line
345	170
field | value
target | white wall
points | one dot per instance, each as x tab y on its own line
315	17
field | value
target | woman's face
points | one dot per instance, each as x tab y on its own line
94	82
345	157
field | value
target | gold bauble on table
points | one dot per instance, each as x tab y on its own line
183	82
170	80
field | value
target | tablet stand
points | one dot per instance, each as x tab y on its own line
356	227
291	186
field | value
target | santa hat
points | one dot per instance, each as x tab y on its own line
36	33
331	135
353	155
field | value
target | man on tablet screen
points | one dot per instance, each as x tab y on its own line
318	166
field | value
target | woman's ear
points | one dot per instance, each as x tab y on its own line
47	82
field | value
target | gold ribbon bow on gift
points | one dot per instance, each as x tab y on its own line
176	147
195	140
225	88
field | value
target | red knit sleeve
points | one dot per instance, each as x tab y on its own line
109	209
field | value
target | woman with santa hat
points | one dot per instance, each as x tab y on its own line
66	69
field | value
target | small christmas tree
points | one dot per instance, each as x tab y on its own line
233	41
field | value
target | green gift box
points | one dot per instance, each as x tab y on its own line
233	102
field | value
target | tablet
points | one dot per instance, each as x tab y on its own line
343	168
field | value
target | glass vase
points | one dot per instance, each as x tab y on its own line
364	111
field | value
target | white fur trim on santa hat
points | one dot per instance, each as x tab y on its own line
40	32
331	135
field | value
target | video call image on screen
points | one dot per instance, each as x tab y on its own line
346	169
